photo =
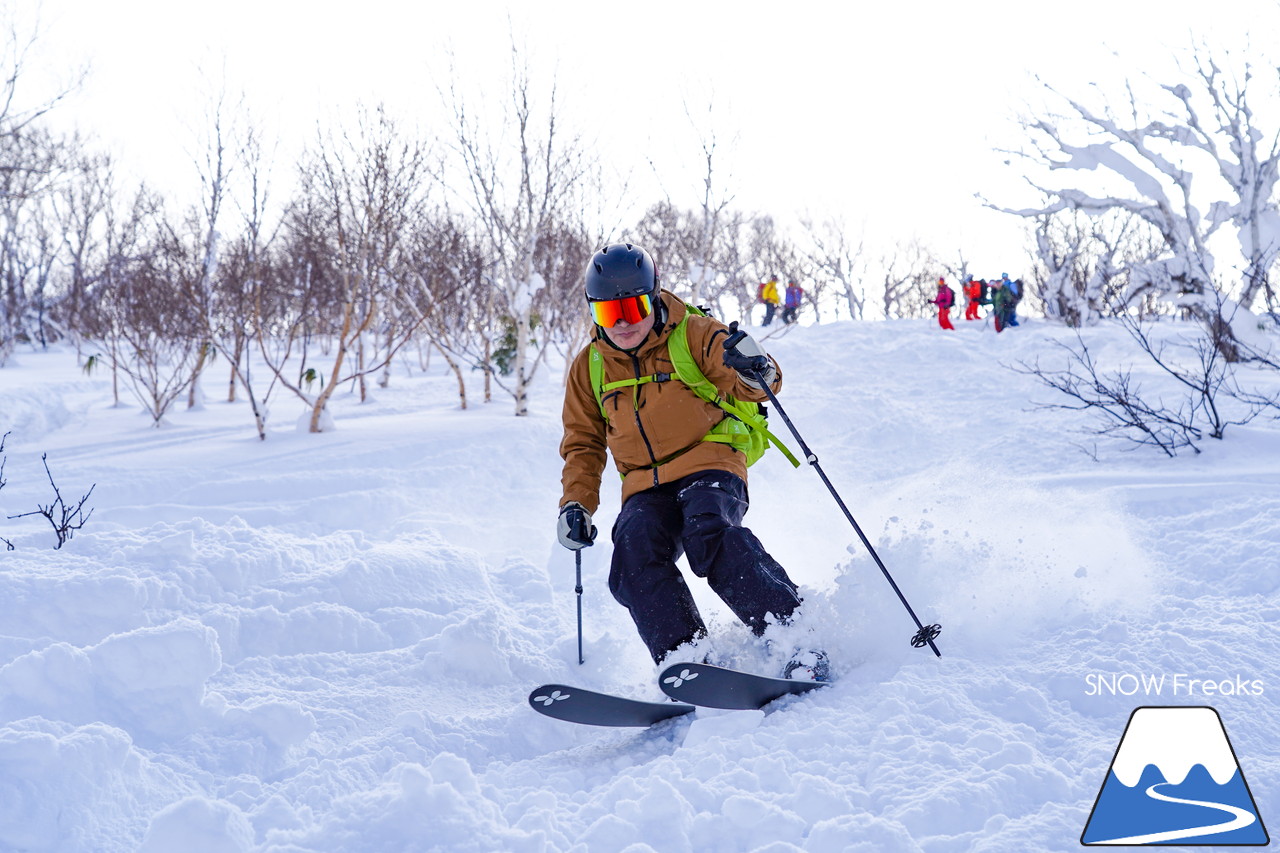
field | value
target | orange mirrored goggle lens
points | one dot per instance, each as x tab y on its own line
633	309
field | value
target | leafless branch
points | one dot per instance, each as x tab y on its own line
64	519
1117	398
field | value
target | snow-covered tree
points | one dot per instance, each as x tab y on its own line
1082	262
1246	150
1148	166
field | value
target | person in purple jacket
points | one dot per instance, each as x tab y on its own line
794	296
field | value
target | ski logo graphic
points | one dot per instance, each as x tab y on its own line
677	680
1175	779
556	696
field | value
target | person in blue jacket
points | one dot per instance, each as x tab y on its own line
1014	288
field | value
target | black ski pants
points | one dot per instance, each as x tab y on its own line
700	515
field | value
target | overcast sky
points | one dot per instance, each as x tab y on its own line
886	114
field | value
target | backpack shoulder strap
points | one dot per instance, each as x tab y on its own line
690	374
595	363
682	360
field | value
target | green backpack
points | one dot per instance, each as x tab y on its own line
746	429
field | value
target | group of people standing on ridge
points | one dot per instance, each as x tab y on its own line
767	294
1002	294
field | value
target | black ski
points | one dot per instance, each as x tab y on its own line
575	705
717	687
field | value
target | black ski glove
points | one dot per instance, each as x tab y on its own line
743	354
575	529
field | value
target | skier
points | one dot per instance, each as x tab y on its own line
794	296
1015	294
767	293
944	300
1000	301
679	491
973	296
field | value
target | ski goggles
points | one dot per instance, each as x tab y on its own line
633	309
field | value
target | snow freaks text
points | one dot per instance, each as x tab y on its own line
1178	684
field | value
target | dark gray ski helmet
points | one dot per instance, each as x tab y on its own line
620	270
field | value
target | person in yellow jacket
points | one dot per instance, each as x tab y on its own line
767	293
679	491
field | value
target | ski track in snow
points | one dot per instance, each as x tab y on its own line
324	643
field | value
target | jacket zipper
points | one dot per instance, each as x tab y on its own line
635	405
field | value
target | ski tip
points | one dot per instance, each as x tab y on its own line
588	707
548	695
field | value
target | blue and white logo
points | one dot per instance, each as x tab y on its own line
1175	780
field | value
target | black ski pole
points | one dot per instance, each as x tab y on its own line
577	559
927	633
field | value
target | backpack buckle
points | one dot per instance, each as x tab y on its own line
662	377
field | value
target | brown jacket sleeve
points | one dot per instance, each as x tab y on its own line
583	445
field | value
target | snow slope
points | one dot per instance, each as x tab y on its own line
324	642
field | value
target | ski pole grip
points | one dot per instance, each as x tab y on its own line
734	336
743	362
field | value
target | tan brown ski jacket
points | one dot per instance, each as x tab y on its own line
654	430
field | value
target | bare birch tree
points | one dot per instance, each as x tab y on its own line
32	161
298	300
19	112
371	182
215	168
446	279
907	276
715	203
521	180
153	336
82	202
836	259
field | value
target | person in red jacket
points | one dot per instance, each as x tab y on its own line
973	293
944	300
